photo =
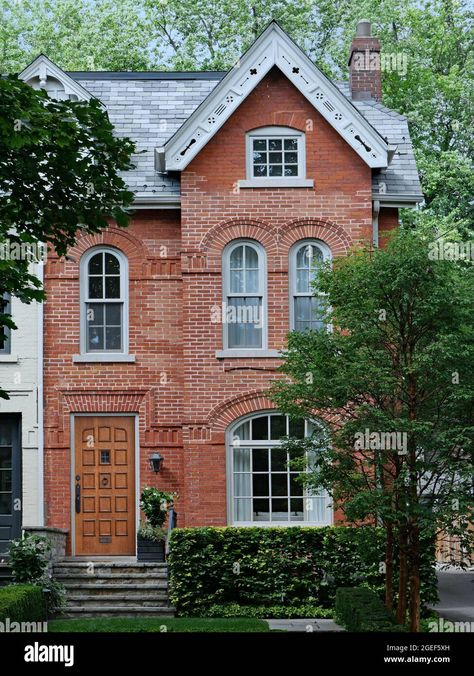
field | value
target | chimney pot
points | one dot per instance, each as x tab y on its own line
363	29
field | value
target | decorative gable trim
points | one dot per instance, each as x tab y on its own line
43	71
274	48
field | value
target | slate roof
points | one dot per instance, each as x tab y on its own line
150	107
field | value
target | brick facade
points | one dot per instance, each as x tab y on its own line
184	396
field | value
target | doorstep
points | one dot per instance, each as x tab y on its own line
309	626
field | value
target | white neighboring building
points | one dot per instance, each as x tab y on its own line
21	421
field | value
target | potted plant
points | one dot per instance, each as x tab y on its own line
151	535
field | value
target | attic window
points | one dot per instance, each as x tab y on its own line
276	158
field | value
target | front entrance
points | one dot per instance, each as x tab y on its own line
104	485
10	480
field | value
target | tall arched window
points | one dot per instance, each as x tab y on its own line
263	486
306	311
244	294
104	291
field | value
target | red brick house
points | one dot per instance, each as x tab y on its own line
248	179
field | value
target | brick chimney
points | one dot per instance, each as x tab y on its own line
365	77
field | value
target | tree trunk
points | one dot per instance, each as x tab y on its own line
389	566
402	577
415	583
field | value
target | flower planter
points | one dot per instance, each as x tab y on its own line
150	550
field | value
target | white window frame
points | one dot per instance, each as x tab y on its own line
327	256
266	133
226	293
230	443
109	355
6	349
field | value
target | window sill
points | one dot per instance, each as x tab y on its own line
276	183
248	354
105	358
8	358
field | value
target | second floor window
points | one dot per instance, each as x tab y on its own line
104	289
5	309
307	311
276	153
244	284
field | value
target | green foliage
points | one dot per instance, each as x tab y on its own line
360	609
22	603
149	532
269	612
154	504
132	625
289	567
29	558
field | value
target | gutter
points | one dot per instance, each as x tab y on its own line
40	403
375	223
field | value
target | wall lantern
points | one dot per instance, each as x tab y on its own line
156	462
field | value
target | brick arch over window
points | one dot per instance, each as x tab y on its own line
310	228
290	119
230	410
217	238
125	242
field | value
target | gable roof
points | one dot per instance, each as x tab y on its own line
42	69
275	48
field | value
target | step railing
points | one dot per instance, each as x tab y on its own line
172	523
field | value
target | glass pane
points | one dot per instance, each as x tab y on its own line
242	431
260	427
302	281
302	257
260	144
5	458
112	287
296	509
276	158
296	486
291	170
317	313
5	480
251	281
96	287
241	459
244	322
259	170
260	485
95	264
95	314
303	311
242	485
279	460
259	158
112	265
260	460
297	429
291	144
275	170
96	338
316	509
113	313
251	258
105	457
279	484
113	338
291	158
274	144
261	510
237	281
237	258
5	503
5	434
242	510
277	426
279	510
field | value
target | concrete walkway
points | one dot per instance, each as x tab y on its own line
456	593
308	626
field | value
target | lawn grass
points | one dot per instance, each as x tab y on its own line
158	624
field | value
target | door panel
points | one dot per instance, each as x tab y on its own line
104	485
10	480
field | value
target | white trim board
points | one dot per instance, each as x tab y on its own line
42	68
274	48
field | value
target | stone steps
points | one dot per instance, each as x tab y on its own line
114	589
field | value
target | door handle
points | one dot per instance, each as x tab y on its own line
78	498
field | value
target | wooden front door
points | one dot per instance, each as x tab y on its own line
104	485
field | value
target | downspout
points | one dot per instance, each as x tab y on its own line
375	223
40	356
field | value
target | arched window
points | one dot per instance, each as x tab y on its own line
104	292
306	310
263	486
244	296
5	333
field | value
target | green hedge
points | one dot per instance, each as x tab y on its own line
269	612
285	567
361	609
22	603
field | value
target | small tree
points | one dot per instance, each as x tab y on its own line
394	378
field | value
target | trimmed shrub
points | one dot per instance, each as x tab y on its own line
285	567
361	609
22	603
269	612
